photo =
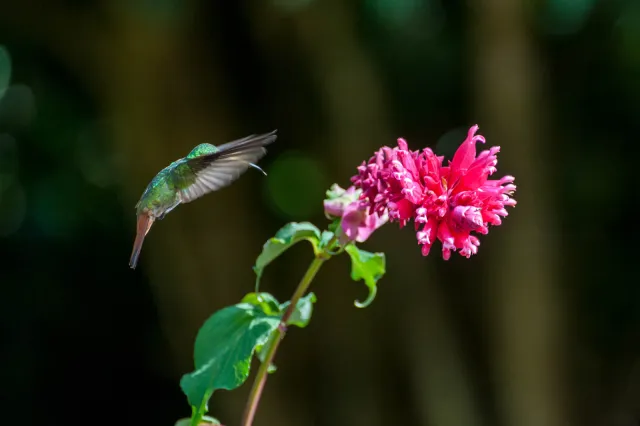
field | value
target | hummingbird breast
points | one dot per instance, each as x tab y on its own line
160	197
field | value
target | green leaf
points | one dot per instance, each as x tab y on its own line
366	266
265	301
261	353
271	307
223	349
335	225
206	420
325	239
302	313
286	237
300	317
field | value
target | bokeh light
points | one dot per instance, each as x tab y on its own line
449	142
296	186
563	17
17	106
397	13
5	69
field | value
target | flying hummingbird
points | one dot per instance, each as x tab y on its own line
207	168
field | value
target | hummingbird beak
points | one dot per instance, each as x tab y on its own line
149	223
144	224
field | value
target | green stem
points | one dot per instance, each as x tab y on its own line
197	416
263	371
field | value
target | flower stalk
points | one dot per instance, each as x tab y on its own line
278	335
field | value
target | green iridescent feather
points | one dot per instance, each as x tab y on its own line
201	171
202	149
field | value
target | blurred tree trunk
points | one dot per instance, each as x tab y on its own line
443	389
529	327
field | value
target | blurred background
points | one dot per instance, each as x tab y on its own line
540	328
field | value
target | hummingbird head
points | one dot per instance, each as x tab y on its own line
202	149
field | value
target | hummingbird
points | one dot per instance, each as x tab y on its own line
205	169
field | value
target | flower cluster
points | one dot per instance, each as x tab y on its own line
357	222
447	203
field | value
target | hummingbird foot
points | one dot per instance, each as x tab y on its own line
282	327
164	213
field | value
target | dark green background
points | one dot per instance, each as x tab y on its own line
540	328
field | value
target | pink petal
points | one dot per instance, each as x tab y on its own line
402	144
447	239
467	218
466	153
333	208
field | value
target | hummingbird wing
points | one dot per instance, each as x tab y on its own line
221	168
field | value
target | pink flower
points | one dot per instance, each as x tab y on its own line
338	198
357	223
447	203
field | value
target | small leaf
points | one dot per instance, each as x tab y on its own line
206	421
366	266
265	301
335	225
261	353
286	237
325	239
300	317
223	349
302	313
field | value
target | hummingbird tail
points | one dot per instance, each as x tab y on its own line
144	224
